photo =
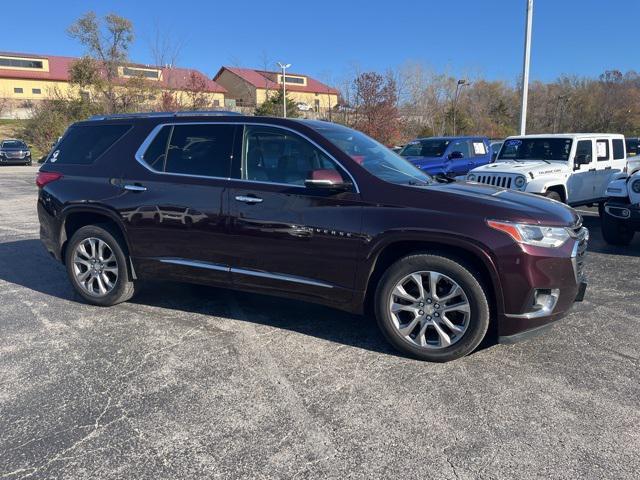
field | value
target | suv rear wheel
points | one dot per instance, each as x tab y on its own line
97	266
614	231
432	307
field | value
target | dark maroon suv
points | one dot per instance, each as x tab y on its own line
308	210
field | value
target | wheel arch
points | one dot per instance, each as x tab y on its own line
76	217
466	250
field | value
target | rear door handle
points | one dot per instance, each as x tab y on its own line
134	188
248	199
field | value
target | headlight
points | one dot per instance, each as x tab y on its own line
635	186
519	182
471	177
536	235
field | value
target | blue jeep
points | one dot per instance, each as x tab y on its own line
450	156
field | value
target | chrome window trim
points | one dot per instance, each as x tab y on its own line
139	155
254	273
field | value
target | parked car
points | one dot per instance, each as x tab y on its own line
570	168
621	219
304	107
308	210
495	149
14	152
450	156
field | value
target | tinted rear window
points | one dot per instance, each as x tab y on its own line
83	145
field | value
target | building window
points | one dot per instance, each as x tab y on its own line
216	103
20	63
137	72
18	90
36	91
295	80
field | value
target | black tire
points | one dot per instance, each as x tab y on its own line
553	195
601	212
615	231
465	276
124	287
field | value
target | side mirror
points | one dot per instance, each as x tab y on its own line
326	178
455	155
582	159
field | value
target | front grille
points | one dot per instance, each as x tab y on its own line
495	180
14	154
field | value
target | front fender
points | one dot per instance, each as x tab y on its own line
543	185
432	240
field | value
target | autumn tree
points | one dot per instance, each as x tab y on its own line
375	106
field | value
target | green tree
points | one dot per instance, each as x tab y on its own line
272	107
107	42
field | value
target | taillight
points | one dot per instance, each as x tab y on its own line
44	178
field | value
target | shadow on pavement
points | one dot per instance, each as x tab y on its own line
26	263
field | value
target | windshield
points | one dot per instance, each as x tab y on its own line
373	156
536	149
13	144
425	148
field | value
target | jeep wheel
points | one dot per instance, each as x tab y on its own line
615	231
97	267
432	307
553	195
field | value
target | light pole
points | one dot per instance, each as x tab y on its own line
461	83
284	67
525	67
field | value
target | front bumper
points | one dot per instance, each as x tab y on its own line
627	212
540	286
14	160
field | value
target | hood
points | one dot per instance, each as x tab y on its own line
533	168
431	165
501	204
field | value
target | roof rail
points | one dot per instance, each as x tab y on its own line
186	113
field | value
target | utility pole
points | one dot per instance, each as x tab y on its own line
459	85
525	68
284	67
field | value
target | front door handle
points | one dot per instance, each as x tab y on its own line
134	188
248	199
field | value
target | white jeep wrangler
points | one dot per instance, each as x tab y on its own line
574	168
621	218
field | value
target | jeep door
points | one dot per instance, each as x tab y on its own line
455	164
612	162
581	183
174	202
287	236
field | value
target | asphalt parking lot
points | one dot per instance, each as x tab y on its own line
196	382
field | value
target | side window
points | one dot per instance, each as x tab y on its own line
200	149
279	156
156	153
479	148
602	147
618	149
584	153
84	144
461	146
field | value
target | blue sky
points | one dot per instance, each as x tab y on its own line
327	38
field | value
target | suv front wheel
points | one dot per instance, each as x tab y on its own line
432	307
97	266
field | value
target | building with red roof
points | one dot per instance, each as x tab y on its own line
28	78
250	87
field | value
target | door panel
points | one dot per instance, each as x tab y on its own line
581	183
175	210
288	236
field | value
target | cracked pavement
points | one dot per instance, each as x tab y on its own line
196	382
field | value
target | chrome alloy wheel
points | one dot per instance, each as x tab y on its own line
429	310
95	267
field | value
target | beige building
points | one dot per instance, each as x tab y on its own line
250	88
27	78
